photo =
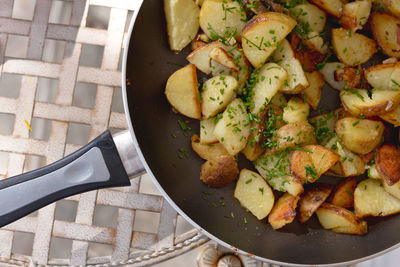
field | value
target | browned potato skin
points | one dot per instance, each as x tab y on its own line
378	18
343	195
366	158
393	6
362	229
324	5
388	163
300	159
311	200
350	77
284	211
220	171
209	151
309	59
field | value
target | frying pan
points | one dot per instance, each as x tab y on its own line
108	160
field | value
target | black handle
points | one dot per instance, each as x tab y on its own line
97	165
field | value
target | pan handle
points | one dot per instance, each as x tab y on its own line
99	164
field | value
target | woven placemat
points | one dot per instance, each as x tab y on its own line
54	54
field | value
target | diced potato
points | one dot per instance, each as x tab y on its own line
298	133
254	147
324	125
297	79
296	110
367	158
284	211
349	165
254	194
243	67
347	47
385	29
311	200
182	22
196	43
333	7
201	56
360	135
283	51
199	2
393	7
355	14
387	163
315	42
207	131
384	76
352	77
207	151
340	220
373	172
394	190
343	195
357	101
278	175
222	57
279	100
392	117
262	35
309	163
220	171
233	129
222	18
371	199
270	79
329	70
311	14
182	92
313	92
217	93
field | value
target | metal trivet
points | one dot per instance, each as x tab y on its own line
41	85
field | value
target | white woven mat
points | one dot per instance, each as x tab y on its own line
60	72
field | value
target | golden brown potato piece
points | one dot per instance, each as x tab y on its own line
366	158
385	30
359	135
371	199
350	164
298	133
182	92
384	76
329	71
311	162
357	101
254	194
311	199
284	211
347	47
309	59
207	151
296	110
351	77
355	14
275	169
333	7
314	90
343	195
394	190
388	163
340	220
182	22
219	55
393	6
254	147
262	34
219	171
216	21
392	117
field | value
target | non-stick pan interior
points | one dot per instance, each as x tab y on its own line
150	62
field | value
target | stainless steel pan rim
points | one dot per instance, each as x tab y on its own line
172	203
